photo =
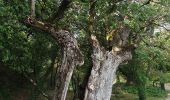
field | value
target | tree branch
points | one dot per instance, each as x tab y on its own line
59	14
91	17
61	36
33	8
38	24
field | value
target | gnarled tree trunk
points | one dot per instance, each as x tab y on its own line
72	56
105	64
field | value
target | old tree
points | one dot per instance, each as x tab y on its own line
96	35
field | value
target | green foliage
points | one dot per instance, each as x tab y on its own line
150	91
35	54
23	49
155	92
130	89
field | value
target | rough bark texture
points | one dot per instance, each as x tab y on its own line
105	64
72	56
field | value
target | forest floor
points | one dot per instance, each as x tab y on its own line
167	87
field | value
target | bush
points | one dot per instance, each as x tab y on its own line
155	92
130	89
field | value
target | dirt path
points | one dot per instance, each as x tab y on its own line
167	87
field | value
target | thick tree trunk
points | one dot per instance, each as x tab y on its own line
105	64
72	56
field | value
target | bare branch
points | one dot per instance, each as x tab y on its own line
37	24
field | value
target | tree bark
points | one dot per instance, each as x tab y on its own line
72	56
105	64
33	8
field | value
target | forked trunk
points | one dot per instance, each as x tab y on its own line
103	74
